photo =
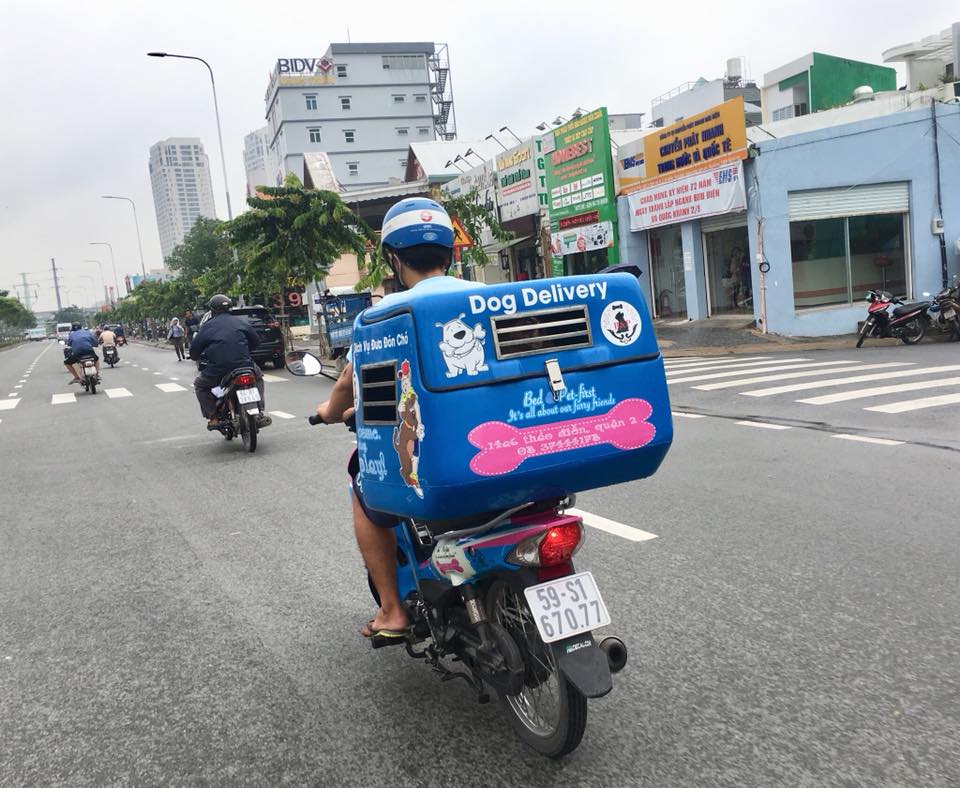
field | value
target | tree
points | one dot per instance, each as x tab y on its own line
69	314
292	236
205	260
14	317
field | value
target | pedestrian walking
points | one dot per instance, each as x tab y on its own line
192	324
176	335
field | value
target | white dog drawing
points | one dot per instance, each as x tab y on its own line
462	347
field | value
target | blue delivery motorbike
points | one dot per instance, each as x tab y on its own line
484	492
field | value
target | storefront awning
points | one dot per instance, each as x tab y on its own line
500	246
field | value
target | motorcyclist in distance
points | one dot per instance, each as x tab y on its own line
81	342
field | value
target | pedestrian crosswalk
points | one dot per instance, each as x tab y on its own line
895	386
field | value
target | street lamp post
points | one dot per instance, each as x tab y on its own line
113	263
136	223
495	139
216	109
106	292
507	128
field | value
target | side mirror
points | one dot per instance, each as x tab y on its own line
303	364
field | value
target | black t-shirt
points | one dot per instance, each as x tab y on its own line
226	340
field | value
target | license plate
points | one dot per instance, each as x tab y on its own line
948	312
247	395
569	606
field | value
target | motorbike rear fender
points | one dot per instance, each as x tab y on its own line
584	664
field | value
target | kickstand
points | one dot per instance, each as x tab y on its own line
449	675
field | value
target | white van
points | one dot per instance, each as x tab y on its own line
63	330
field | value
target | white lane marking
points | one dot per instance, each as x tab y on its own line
789	376
685	359
762	425
741	372
157	373
612	527
916	404
14	394
145	369
22	380
63	399
680	414
865	439
169	387
116	393
722	365
816	384
18	386
274	379
877	391
282	414
174	378
8	404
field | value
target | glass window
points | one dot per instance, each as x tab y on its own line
420	98
403	61
314	135
353	168
345	102
399	99
349	135
311	100
877	259
423	130
403	131
341	70
666	262
728	271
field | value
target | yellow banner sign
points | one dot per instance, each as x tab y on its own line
700	142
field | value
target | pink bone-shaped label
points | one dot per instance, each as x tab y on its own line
504	447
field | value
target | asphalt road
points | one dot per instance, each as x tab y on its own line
176	611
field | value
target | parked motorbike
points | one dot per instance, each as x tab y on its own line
110	355
500	596
908	322
238	407
944	310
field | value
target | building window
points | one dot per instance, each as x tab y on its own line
311	100
345	102
420	98
403	131
353	168
423	131
314	135
409	62
341	70
399	98
349	136
836	261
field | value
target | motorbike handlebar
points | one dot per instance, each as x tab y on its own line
315	419
351	423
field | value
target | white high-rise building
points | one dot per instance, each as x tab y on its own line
258	160
180	175
362	105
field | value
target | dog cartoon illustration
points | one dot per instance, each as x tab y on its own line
462	347
409	431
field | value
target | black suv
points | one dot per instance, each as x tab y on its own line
268	329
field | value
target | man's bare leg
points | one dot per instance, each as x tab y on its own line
378	546
73	370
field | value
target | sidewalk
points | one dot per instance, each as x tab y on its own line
723	336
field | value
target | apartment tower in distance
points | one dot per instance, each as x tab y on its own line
362	105
182	191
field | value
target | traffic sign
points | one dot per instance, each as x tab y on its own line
461	239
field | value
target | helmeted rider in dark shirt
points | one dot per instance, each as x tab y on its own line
225	341
80	343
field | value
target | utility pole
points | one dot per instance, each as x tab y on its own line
27	298
56	283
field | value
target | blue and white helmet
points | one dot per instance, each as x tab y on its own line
416	221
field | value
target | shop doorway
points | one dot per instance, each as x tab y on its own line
666	267
727	258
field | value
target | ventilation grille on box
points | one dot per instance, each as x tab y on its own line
378	393
545	331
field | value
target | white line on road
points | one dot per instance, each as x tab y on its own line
169	387
917	385
612	527
174	378
282	414
157	373
865	439
63	399
916	404
116	393
762	425
22	380
13	394
682	415
741	372
18	386
816	384
8	404
274	379
722	365
145	369
791	376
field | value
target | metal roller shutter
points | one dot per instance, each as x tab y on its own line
725	221
850	201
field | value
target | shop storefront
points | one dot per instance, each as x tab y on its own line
580	186
522	202
726	255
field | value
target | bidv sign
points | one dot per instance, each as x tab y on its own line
303	65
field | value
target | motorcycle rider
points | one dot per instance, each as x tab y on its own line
226	340
80	342
108	338
417	239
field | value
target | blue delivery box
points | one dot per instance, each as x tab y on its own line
486	397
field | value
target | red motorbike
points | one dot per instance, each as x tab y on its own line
908	322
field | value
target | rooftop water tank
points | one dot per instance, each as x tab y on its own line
863	93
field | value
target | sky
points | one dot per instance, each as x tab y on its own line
83	104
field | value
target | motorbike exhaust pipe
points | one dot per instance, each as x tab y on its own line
616	652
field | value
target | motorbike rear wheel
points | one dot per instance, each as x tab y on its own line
549	713
248	431
93	385
913	331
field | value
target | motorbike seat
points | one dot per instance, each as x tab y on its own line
228	378
908	308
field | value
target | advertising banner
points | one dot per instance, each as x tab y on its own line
699	142
629	167
481	180
521	180
585	238
579	174
693	196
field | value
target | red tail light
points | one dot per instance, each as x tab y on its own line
244	380
559	544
